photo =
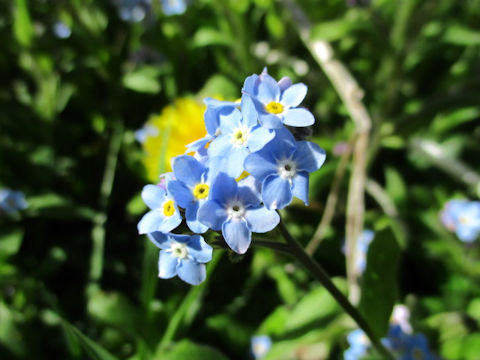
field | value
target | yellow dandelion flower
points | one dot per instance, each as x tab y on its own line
178	125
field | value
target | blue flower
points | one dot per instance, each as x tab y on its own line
12	201
182	255
61	30
190	188
144	132
133	10
277	103
416	347
283	167
462	217
359	345
173	7
240	135
363	243
237	211
164	216
260	345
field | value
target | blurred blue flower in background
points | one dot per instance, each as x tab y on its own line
359	345
144	132
366	237
133	10
463	218
260	345
61	30
182	255
173	7
12	201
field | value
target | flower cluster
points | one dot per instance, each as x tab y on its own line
12	201
399	340
247	166
463	218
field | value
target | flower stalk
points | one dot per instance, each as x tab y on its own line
316	270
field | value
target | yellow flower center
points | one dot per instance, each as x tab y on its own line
168	208
239	136
200	191
463	220
274	107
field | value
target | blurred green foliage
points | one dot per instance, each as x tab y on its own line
76	280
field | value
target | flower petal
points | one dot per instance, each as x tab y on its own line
153	196
294	95
267	90
187	169
160	240
259	137
270	121
261	220
167	265
237	235
260	164
309	156
192	221
224	188
192	272
298	117
181	193
219	146
300	186
276	192
150	222
199	250
212	214
249	113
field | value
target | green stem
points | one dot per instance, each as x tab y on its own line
299	253
98	231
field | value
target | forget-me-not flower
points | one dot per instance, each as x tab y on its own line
277	103
164	215
359	345
240	135
237	211
182	255
191	188
462	217
12	201
283	167
173	7
260	345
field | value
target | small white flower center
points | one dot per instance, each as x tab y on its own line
179	250
287	168
236	210
240	136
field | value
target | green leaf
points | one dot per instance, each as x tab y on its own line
52	205
395	186
286	287
10	241
471	346
274	324
331	30
209	36
10	335
115	309
379	283
191	351
220	86
94	351
143	79
460	35
275	24
313	307
22	25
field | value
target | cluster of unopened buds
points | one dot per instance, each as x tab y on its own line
247	166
